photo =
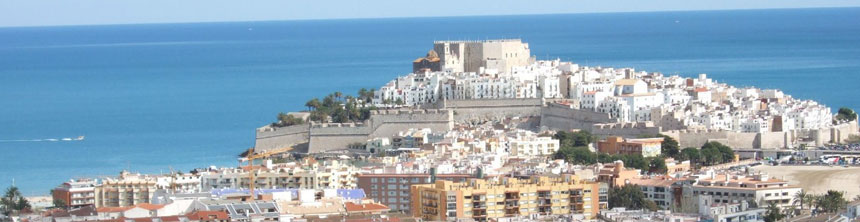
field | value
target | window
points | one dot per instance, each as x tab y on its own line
373	180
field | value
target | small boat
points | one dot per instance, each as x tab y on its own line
80	138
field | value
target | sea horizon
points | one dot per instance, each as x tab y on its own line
428	17
150	97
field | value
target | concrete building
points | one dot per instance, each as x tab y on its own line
615	174
729	212
126	190
304	174
533	146
647	147
660	190
76	193
491	199
728	188
394	190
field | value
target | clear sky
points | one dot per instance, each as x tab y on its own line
88	12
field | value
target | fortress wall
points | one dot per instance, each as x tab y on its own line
383	123
387	123
488	109
843	132
773	140
698	138
629	130
559	117
745	140
268	138
333	136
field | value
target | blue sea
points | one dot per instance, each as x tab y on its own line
153	97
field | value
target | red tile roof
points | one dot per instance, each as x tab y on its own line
370	207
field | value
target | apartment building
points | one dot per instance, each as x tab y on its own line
505	197
728	188
394	190
126	190
76	193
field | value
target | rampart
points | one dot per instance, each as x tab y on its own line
492	109
561	117
269	137
631	130
383	123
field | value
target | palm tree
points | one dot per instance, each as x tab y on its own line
313	104
773	213
789	212
800	197
337	95
818	202
13	202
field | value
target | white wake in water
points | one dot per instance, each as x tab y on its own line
80	138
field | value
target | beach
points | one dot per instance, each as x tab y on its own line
818	179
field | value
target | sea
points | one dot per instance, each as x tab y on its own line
155	98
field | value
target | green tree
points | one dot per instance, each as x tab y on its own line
657	165
634	161
287	120
630	197
576	155
833	201
313	104
800	197
605	158
691	154
13	202
716	153
846	114
578	138
670	147
773	213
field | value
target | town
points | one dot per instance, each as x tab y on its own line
483	131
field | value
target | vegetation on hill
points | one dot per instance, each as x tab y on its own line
287	120
335	107
711	153
846	114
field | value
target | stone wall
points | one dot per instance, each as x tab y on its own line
388	122
334	136
492	109
560	117
268	138
383	123
630	130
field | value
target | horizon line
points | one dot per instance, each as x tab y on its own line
419	17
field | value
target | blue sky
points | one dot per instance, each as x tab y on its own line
89	12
